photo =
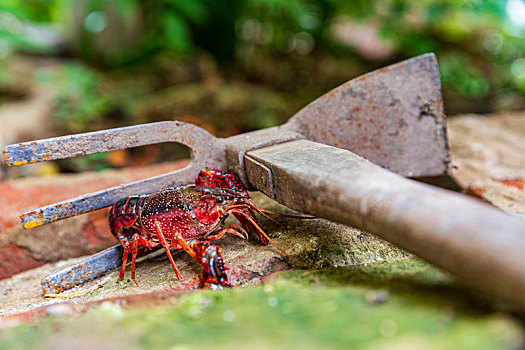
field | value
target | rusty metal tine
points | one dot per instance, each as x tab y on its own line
207	150
101	199
86	270
105	140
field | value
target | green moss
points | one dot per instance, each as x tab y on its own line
420	308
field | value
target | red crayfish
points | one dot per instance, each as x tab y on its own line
189	218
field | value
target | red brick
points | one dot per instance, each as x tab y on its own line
15	259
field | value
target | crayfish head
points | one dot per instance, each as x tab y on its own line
124	213
210	177
213	204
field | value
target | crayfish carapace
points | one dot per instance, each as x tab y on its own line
189	218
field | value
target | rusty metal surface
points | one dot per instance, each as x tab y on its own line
393	117
86	270
101	199
474	241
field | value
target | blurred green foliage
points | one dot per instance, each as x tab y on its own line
80	99
479	48
15	15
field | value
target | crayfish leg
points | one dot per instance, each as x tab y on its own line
124	260
133	247
234	229
178	241
250	227
164	243
261	232
134	256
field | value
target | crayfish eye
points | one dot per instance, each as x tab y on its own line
219	200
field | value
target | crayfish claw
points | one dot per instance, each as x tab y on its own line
214	273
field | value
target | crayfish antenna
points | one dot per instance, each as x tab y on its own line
261	231
259	210
263	211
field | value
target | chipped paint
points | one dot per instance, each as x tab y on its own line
6	157
32	224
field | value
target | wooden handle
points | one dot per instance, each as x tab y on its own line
480	244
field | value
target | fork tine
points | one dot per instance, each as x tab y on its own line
106	140
86	270
101	199
206	150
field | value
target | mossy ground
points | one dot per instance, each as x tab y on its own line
403	304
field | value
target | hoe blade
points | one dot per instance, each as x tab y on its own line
392	116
